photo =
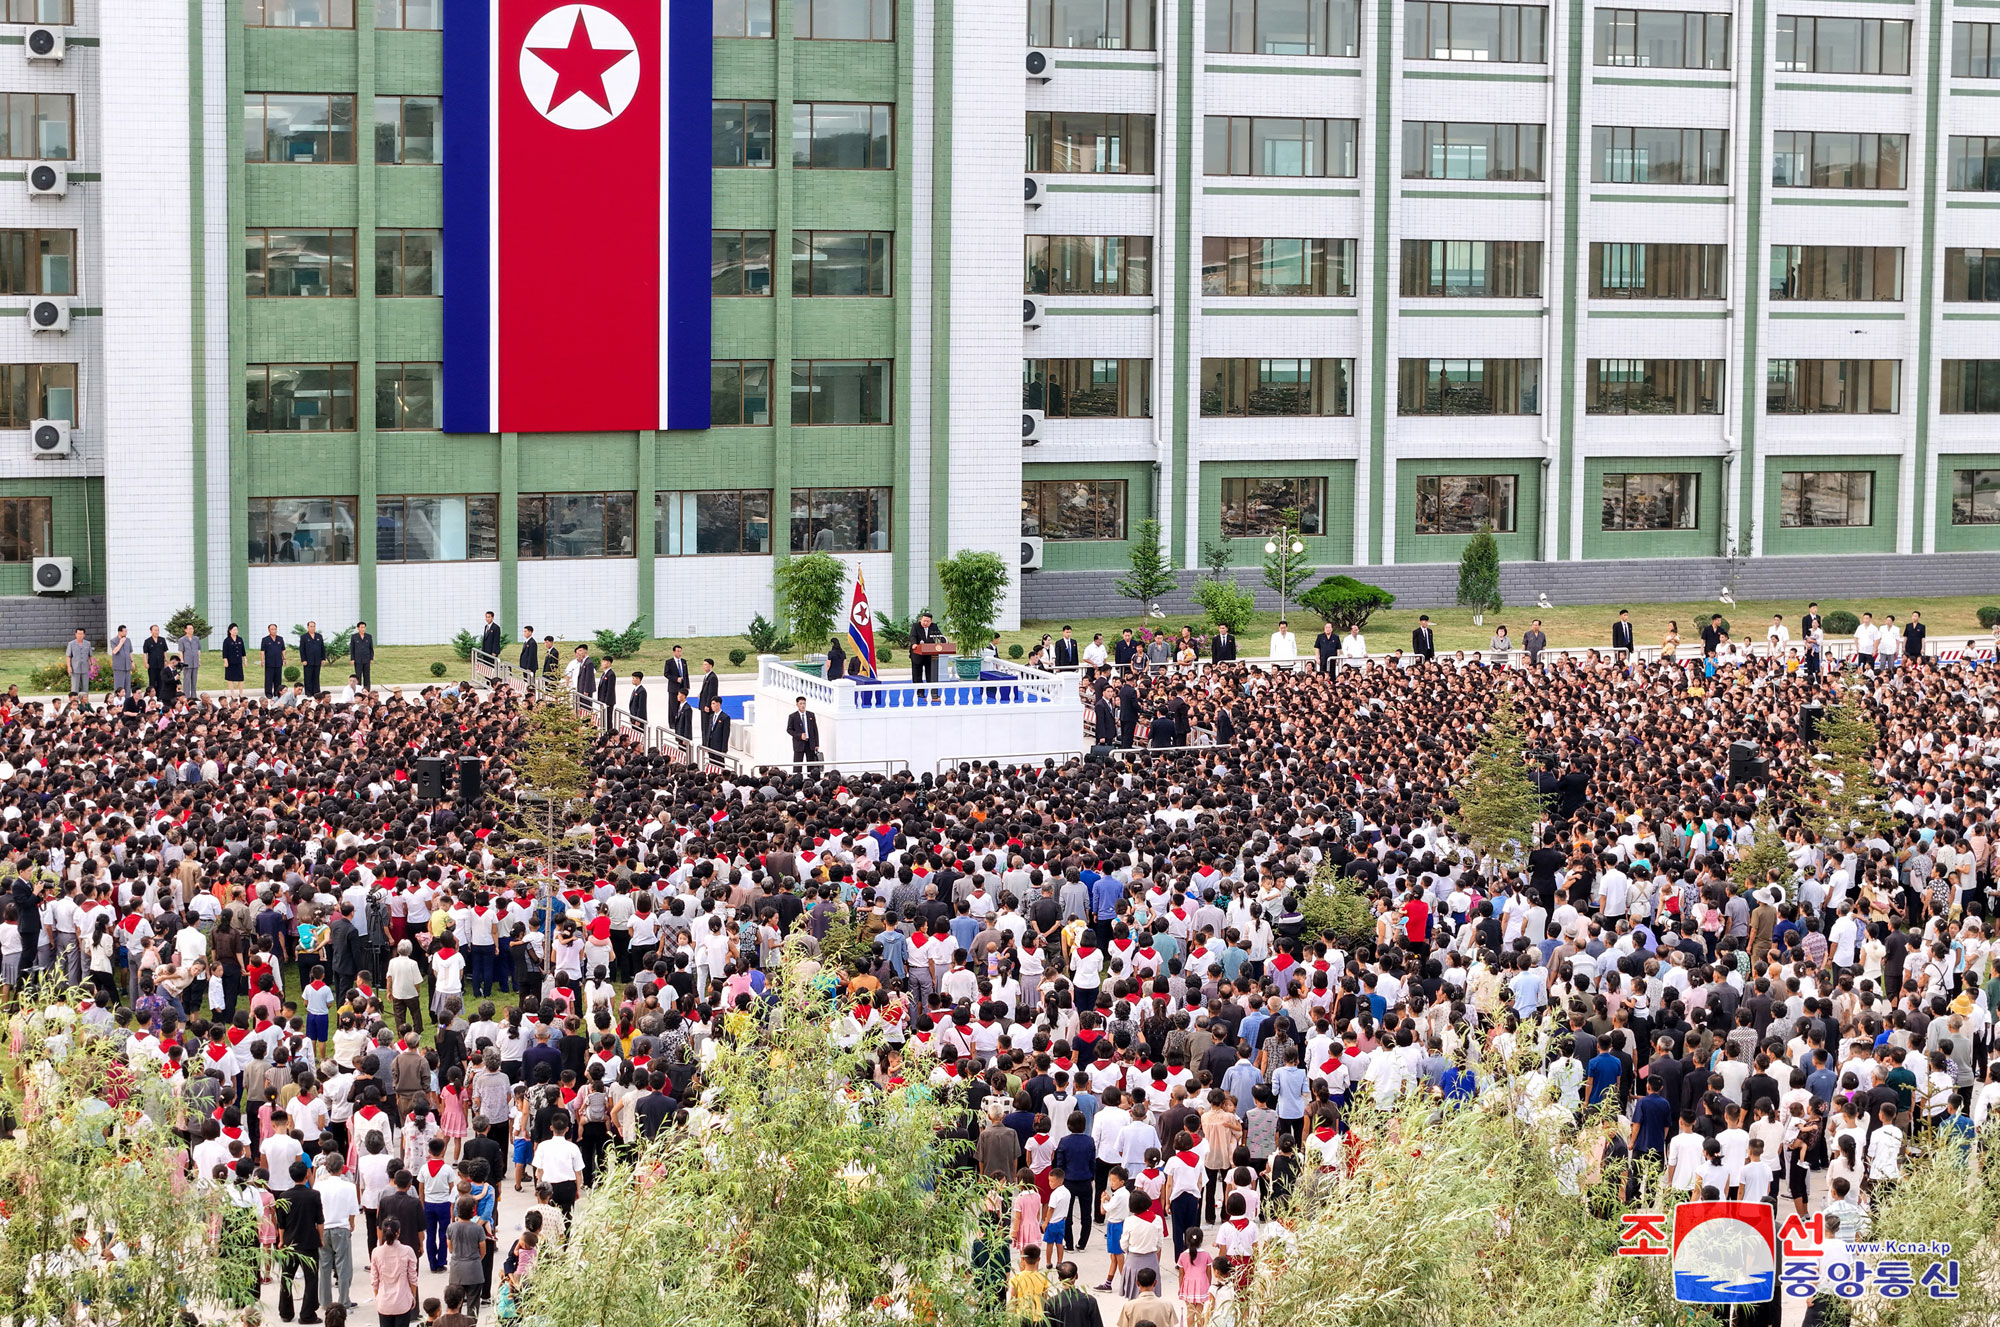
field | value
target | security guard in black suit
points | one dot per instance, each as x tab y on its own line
1107	720
273	647
531	659
1066	655
635	704
490	639
1422	643
312	653
1621	631
803	727
676	670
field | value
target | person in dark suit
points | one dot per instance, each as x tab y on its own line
1128	713
1225	725
803	728
312	653
676	671
1066	655
635	703
711	683
490	639
1326	648
1179	711
1913	637
1621	631
1126	650
836	661
234	648
155	650
607	691
1712	636
1423	643
273	647
531	658
923	667
361	653
1222	649
1107	720
714	726
1160	734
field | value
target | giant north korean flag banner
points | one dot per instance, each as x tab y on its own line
576	215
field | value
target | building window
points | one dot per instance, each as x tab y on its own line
840	520
1659	271
740	135
1974	53
1254	508
1285	27
1088	265
1088	388
1975	498
1508	34
1654	387
36	391
842	263
1090	143
840	391
844	20
37	262
739	393
410	15
739	264
407	263
298	398
406	396
40	11
1971	276
1073	509
1833	387
286	264
1465	504
1835	272
1438	151
1476	269
1285	148
407	131
574	525
742	18
1622	155
1662	39
24	529
1469	387
1801	160
1276	387
1974	165
1244	266
717	521
834	135
40	126
1092	25
297	13
301	532
1971	387
1808	45
298	128
1817	499
1649	502
438	529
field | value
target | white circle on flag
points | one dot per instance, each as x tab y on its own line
579	66
860	615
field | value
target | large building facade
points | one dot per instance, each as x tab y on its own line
1644	291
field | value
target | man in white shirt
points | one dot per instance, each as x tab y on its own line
1354	648
1284	645
558	1164
1777	634
340	1204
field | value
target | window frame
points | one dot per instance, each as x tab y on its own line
1608	166
609	498
875	15
1989	157
1785	36
1686	499
1792	519
401	265
332	137
260	236
1045	37
402	21
1491	482
1607	20
256	14
813	393
1805	267
1036	492
1802	383
744	161
35	388
1499	18
25	11
1311	507
1977	380
1785	148
332	367
1521	382
1129	262
402	127
1975	270
742	396
886	267
1703	265
1973	492
1240	132
1135	376
1246	379
811	111
662	522
407	498
748	9
38	120
881	507
1968	37
1523	258
1048	155
1225	14
39	514
743	264
1679	379
1243	257
1442	150
34	260
335	502
383	380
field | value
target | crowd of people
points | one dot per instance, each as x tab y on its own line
369	1024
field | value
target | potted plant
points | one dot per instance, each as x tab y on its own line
973	584
809	588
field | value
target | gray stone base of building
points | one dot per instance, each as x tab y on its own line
1052	595
49	621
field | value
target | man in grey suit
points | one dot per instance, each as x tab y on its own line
78	654
121	662
190	647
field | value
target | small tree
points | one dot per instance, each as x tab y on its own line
1767	859
1346	602
554	775
1217	557
1226	602
620	644
809	590
1849	795
1479	574
1332	904
1152	568
1285	570
1498	803
178	623
974	583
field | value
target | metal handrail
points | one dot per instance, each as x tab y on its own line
950	762
895	765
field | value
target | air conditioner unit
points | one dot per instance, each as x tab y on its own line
1041	68
50	438
44	45
1031	552
1032	191
48	315
48	179
55	575
1031	427
1032	311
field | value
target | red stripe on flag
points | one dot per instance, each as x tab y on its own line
578	282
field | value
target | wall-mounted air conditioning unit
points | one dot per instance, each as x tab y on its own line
54	575
1031	427
50	438
1032	310
44	45
1041	68
1031	552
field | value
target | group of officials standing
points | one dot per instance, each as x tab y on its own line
173	667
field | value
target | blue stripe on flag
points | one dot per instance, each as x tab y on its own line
468	166
685	214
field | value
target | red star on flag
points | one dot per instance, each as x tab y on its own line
580	67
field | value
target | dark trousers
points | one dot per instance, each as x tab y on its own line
1186	1213
482	957
564	1192
312	679
1210	1193
437	1216
361	672
923	667
302	1263
1083	1204
621	954
273	679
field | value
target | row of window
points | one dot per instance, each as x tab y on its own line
812	20
837	263
408	15
826	135
824	391
316	531
319	398
317	129
293	263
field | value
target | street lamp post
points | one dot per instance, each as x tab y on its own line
1284	572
